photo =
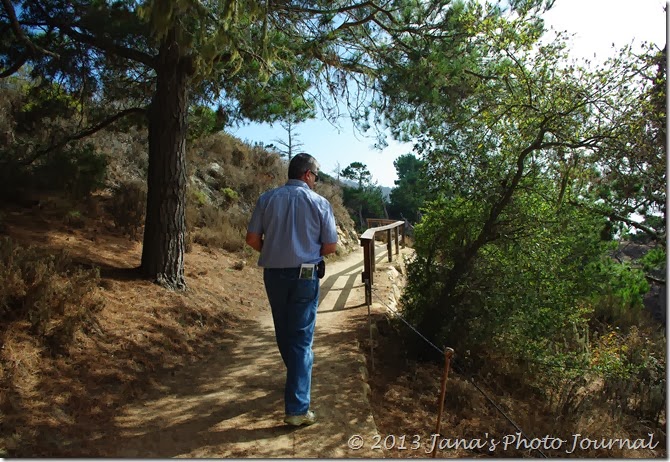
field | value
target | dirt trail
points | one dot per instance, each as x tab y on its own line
231	406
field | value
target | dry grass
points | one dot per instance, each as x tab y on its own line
405	397
48	397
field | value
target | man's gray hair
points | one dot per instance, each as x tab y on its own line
300	164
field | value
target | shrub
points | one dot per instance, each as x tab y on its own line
619	300
632	366
74	218
229	196
47	291
210	226
128	206
78	170
199	197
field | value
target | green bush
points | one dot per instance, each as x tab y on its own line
229	196
632	366
78	171
521	294
199	197
74	218
621	288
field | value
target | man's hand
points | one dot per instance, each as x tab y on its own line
327	249
255	241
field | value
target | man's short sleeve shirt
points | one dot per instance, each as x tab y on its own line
294	222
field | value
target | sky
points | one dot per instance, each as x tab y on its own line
597	24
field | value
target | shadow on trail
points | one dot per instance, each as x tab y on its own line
231	404
213	404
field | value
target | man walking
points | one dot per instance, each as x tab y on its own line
293	228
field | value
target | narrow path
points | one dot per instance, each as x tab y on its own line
232	405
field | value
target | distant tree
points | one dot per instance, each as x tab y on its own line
289	146
358	172
338	170
367	198
282	101
412	188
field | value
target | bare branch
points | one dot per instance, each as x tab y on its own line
109	46
656	280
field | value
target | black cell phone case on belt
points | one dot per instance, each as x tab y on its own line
321	269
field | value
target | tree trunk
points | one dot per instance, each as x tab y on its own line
386	212
163	246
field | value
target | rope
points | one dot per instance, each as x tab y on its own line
471	379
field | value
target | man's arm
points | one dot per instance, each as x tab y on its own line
255	241
327	249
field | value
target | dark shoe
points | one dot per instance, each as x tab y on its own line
308	418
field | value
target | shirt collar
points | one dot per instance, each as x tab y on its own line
294	182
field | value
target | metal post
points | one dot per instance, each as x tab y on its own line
448	353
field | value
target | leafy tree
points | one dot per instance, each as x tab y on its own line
630	177
204	120
507	128
156	57
283	100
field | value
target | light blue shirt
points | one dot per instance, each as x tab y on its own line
294	222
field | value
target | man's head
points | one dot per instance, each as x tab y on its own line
304	167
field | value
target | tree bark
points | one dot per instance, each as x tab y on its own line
163	245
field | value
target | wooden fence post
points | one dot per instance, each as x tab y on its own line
389	244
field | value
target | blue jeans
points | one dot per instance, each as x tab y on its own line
294	303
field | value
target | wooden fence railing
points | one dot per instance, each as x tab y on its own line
368	243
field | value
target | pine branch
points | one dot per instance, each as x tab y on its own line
615	216
16	27
82	134
14	68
